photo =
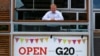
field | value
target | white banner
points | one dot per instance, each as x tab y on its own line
47	46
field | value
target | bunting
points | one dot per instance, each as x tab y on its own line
17	39
59	40
21	39
74	41
83	40
64	41
54	39
79	41
45	39
41	39
26	40
36	40
31	40
69	41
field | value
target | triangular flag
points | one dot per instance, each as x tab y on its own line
41	39
83	40
55	39
31	40
26	40
69	41
64	41
17	39
59	40
74	41
79	40
46	39
36	40
21	39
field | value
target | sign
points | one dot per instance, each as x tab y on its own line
47	46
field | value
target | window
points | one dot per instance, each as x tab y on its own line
42	4
83	26
75	16
61	3
82	16
69	16
4	28
77	3
30	4
49	28
96	4
29	15
97	20
35	9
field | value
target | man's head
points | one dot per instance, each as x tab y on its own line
53	8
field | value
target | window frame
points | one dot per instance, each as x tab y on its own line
85	5
61	9
94	20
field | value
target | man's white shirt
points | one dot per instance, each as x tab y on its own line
56	16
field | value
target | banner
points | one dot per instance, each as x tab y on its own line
47	46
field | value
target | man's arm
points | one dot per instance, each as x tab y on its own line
45	17
60	17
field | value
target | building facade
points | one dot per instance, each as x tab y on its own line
23	17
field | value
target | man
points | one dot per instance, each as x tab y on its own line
53	14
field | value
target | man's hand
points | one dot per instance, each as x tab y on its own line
52	19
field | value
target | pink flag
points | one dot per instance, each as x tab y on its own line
59	40
79	40
69	41
17	39
36	40
74	41
31	40
26	40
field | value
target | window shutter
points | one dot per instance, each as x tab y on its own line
4	45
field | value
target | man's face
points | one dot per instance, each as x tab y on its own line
53	9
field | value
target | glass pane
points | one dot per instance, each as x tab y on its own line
97	20
69	27
24	3
61	3
37	4
96	3
42	4
46	28
36	28
29	15
4	27
77	3
69	16
82	16
83	27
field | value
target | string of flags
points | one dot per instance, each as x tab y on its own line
31	39
69	40
46	39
